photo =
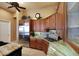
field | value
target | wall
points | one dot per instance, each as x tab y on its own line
5	15
44	12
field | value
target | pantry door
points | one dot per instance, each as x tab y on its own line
5	31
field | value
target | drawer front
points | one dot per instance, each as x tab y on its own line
33	44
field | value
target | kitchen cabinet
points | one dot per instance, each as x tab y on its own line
36	25
40	44
33	43
52	22
46	23
60	21
42	25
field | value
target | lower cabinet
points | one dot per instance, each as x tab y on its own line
45	46
33	43
39	44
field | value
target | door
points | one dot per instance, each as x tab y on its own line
4	31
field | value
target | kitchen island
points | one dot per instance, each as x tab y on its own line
11	49
39	44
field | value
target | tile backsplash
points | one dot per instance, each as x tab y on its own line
41	34
51	35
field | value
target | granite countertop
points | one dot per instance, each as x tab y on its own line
39	38
8	48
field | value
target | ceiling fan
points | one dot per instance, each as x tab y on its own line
16	5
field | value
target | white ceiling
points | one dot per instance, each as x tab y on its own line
5	6
28	5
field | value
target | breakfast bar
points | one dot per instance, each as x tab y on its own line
11	49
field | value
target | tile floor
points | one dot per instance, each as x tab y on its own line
58	48
25	43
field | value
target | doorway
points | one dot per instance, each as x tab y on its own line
5	31
24	33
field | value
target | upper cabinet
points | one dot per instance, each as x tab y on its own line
42	24
35	25
52	22
59	21
46	21
60	25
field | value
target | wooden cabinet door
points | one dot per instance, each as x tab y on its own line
33	43
60	24
46	24
59	21
42	26
45	45
52	22
36	25
39	42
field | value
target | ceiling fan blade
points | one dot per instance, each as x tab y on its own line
22	7
10	6
17	9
